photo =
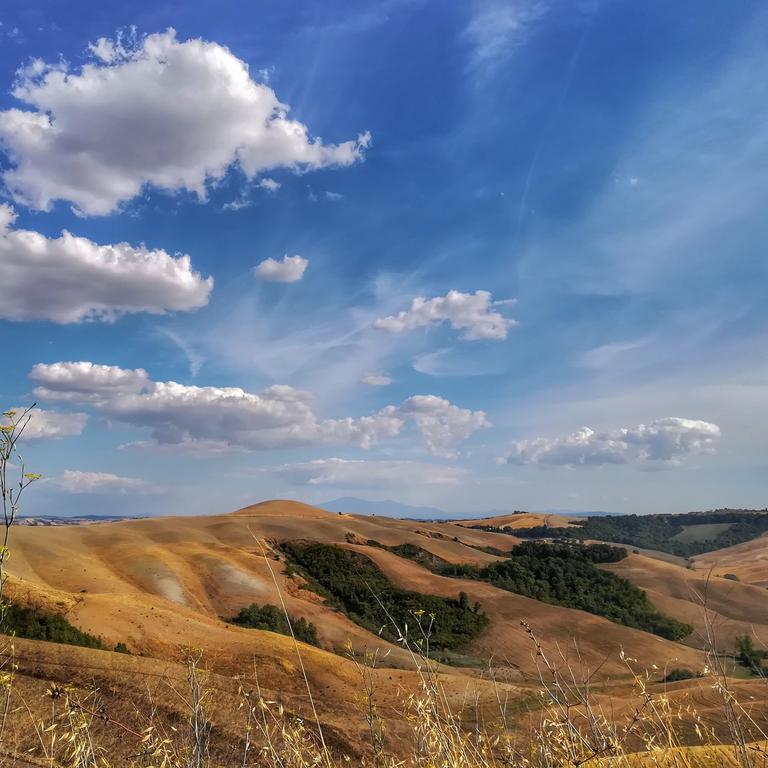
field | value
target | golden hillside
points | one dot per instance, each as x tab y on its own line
163	585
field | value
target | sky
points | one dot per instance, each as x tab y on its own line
487	254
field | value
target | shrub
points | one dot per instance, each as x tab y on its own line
272	619
677	674
34	624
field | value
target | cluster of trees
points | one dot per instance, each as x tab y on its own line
566	574
659	531
272	619
753	659
353	584
562	573
35	624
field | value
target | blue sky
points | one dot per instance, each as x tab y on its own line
467	254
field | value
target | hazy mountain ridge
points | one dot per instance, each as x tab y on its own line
391	508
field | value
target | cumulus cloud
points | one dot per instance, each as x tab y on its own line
665	441
358	473
442	424
75	481
376	379
86	382
158	111
279	416
69	279
50	424
472	313
289	269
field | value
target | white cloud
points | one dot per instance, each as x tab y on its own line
7	217
279	416
359	473
238	204
498	27
69	279
376	379
442	424
75	481
668	441
50	424
269	184
86	382
289	269
174	115
472	313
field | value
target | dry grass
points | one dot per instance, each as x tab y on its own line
573	726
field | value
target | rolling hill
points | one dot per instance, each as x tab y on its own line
161	586
161	583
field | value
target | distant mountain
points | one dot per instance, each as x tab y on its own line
388	508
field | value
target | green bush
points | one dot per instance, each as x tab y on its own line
678	674
272	619
418	555
353	584
34	624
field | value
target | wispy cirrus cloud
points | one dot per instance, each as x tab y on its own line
688	173
79	482
497	28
